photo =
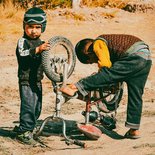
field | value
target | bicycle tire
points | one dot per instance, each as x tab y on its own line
113	104
46	59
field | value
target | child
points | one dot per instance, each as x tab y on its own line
120	58
30	73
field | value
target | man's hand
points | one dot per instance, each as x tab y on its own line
43	47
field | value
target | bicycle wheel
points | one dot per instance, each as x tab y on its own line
61	51
112	96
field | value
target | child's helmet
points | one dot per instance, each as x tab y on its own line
35	16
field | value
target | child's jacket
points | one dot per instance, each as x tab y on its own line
30	70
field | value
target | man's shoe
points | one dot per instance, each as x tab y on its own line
27	138
132	134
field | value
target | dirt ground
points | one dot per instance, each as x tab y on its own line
139	24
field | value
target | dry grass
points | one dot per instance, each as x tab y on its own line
109	15
2	32
9	11
67	3
11	20
103	3
73	15
11	16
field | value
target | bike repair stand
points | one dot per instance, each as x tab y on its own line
60	99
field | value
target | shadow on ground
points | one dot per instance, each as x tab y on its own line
59	127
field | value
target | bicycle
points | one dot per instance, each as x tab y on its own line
59	63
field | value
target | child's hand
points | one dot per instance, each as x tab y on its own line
43	47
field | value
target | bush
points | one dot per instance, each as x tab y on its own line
51	4
46	4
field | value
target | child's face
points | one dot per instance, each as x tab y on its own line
92	58
33	30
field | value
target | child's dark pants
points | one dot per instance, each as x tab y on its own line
31	104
